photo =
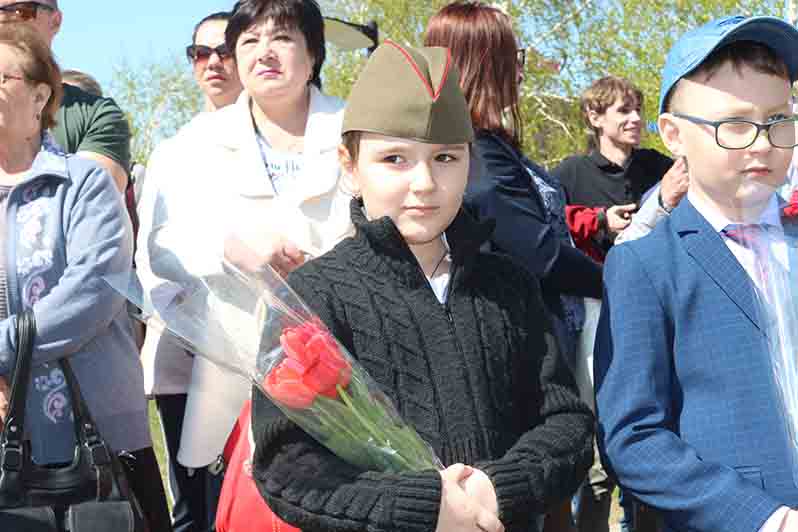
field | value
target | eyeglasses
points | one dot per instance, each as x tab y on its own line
521	57
738	134
5	77
23	11
200	52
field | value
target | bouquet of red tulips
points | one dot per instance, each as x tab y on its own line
325	392
256	326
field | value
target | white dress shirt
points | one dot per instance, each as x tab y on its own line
745	256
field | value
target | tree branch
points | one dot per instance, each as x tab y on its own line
542	106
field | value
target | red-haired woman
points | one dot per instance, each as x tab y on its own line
526	202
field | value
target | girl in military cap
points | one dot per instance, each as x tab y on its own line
457	338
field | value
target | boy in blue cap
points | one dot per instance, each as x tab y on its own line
690	419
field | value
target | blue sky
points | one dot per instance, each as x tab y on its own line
96	36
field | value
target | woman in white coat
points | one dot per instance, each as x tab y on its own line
256	182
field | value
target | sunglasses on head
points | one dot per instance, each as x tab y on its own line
200	52
23	10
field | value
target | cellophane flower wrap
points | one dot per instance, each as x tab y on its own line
256	326
769	240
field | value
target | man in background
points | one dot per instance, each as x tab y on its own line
83	81
605	186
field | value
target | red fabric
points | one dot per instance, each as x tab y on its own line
241	507
583	222
791	209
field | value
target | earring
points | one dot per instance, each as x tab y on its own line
38	117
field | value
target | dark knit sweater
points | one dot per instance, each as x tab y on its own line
480	378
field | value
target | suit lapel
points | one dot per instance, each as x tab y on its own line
707	248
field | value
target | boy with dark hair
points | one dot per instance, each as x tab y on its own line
457	338
690	418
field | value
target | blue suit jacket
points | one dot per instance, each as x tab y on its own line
688	413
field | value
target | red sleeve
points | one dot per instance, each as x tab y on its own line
792	207
583	222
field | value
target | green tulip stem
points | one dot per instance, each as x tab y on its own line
335	414
372	429
375	412
368	425
331	419
399	436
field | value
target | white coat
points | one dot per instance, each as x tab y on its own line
206	183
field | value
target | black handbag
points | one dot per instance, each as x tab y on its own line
90	494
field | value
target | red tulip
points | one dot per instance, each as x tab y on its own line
313	365
285	385
294	341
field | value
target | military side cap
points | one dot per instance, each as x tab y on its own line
411	93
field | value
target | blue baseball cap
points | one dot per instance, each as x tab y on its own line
694	46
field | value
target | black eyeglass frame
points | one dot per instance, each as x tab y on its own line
759	127
222	51
34	6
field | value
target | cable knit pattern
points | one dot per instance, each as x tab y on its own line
480	378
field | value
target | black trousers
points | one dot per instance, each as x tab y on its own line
144	479
195	493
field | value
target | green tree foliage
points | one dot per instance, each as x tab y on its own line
588	39
158	97
630	38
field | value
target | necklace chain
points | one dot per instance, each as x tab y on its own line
445	254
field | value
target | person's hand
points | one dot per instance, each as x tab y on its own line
276	251
5	397
619	217
459	512
790	522
674	184
479	486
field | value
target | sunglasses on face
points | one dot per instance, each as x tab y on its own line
200	52
23	10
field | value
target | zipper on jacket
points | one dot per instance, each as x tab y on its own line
447	309
452	330
444	430
448	294
13	297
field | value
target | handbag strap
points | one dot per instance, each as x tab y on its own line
86	432
15	421
85	429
